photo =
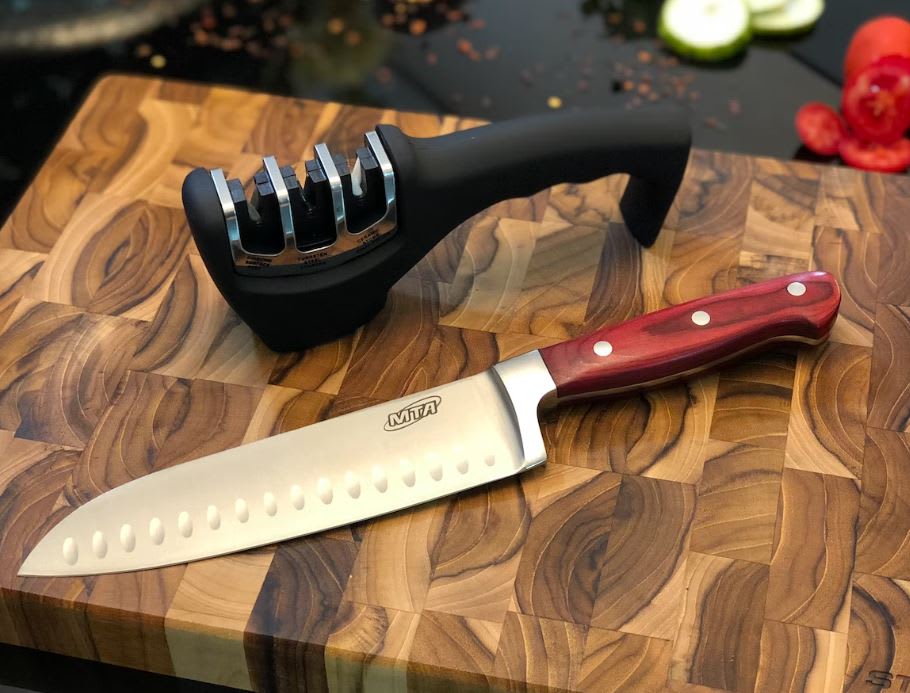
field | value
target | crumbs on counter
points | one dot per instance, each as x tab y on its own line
635	67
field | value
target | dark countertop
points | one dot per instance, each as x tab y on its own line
488	58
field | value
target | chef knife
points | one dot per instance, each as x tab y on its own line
421	447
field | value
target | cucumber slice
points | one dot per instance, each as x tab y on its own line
756	6
795	17
705	29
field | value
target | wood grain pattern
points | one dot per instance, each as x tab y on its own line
743	531
816	529
892	288
851	202
779	222
699	265
321	368
299	598
660	434
194	334
540	652
38	220
369	648
565	552
755	413
737	502
889	392
714	196
828	410
453	651
883	527
619	662
879	639
855	259
641	584
286	128
101	262
523	277
141	643
719	639
17	270
477	551
393	566
205	620
795	658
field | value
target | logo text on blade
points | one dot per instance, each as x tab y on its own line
412	413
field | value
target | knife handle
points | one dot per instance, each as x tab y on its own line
692	337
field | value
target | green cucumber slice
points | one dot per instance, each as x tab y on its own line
795	17
705	29
756	6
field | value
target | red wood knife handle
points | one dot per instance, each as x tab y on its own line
676	342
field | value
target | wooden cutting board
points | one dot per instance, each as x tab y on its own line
747	531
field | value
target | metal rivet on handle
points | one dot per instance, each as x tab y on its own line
269	503
796	288
701	318
603	348
462	466
70	551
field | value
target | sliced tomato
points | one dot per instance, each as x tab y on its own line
888	158
875	39
820	128
876	102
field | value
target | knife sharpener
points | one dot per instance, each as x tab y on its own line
305	263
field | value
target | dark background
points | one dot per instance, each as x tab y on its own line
486	58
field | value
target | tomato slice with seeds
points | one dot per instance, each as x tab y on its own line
871	156
876	101
820	128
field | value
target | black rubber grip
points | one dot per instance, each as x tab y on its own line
447	179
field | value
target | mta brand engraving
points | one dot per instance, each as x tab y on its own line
412	413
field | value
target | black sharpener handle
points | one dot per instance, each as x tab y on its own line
440	182
445	180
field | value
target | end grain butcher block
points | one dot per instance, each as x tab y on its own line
749	530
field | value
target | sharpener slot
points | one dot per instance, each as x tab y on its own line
289	228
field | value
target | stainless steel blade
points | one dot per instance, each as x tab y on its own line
371	462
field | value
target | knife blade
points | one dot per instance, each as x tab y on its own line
418	448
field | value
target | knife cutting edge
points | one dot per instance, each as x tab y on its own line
425	446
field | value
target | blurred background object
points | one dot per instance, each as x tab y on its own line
59	25
870	130
490	59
